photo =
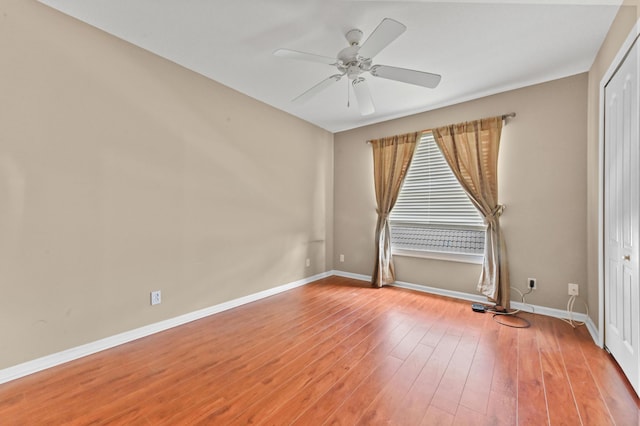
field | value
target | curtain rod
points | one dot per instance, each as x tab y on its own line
504	117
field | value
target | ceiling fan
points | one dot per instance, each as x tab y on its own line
356	59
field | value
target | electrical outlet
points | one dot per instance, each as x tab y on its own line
308	262
342	258
531	283
573	289
156	297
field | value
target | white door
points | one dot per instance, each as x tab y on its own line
621	221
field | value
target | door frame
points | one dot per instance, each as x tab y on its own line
615	64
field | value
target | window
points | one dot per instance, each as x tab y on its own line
433	216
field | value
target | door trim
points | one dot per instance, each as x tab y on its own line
615	64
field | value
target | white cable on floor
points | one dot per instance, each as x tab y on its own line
571	321
522	295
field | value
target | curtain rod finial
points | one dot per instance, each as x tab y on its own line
506	116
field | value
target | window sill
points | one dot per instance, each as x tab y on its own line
437	255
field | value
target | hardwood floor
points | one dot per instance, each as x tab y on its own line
337	352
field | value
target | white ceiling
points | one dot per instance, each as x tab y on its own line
479	47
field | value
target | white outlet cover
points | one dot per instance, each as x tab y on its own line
574	289
156	297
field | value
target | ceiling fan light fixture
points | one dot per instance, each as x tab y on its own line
353	71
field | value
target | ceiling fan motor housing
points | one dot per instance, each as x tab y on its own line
349	60
349	54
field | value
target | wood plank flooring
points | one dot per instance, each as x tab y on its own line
337	352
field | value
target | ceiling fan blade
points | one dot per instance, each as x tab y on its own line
363	95
317	89
294	54
387	31
419	78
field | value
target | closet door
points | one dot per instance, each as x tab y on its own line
621	221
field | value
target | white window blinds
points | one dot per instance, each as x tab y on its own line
431	195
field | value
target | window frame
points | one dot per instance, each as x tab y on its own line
456	256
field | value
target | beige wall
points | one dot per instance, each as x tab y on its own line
542	170
122	173
627	16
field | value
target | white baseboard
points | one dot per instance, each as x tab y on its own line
593	331
48	361
351	275
527	307
550	312
441	292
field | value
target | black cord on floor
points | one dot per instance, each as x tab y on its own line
499	311
526	323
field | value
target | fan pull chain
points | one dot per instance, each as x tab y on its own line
348	95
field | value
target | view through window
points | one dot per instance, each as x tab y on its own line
433	214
